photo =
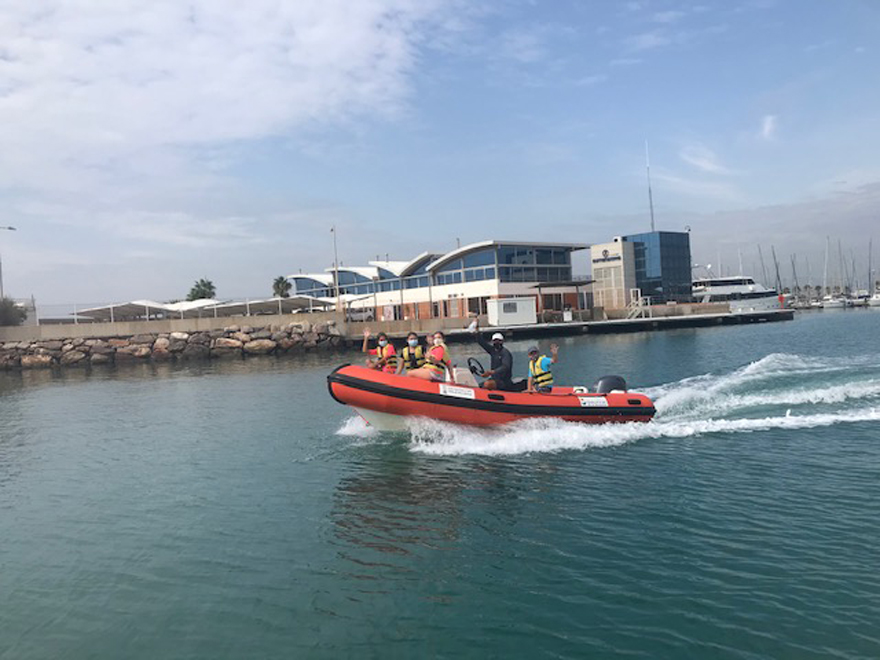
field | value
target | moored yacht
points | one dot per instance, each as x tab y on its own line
874	301
743	293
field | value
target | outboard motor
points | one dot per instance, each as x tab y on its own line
608	383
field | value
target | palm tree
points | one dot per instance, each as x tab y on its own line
281	287
202	289
10	313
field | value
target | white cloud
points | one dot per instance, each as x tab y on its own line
647	41
121	123
588	81
88	82
713	191
768	127
703	158
668	16
524	46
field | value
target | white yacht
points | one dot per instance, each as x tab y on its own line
743	293
874	301
833	302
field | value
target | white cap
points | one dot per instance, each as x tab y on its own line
498	336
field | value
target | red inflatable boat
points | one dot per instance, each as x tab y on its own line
384	400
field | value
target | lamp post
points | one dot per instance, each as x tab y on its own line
1	264
335	268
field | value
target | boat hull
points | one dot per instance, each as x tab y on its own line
386	400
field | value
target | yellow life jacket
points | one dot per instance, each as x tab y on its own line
540	377
413	358
439	369
384	353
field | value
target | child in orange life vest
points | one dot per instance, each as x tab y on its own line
438	361
386	356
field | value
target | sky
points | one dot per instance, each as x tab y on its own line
145	144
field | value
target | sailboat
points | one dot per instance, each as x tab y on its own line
829	301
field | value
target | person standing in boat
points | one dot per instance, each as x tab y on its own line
413	354
386	356
437	360
540	376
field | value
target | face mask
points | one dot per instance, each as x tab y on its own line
438	341
383	342
413	342
498	346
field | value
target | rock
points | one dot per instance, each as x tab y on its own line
199	338
45	351
247	329
216	334
243	337
301	328
227	342
296	338
10	345
135	351
332	323
66	348
274	328
23	345
259	346
36	361
195	351
143	339
161	354
231	328
226	353
286	343
10	361
78	341
51	345
99	358
161	344
320	329
278	336
177	345
261	334
72	357
91	343
102	349
179	336
118	343
333	331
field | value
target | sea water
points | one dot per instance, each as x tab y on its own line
235	510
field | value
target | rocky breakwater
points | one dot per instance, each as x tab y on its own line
230	342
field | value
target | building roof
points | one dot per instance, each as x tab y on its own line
269	306
417	262
323	278
473	247
370	272
395	267
141	308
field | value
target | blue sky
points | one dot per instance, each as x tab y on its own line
153	143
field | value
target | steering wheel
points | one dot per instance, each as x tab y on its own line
475	367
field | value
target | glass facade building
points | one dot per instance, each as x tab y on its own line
663	265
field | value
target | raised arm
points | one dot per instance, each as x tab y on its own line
364	348
554	351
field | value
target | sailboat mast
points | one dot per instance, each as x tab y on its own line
825	276
776	266
763	267
650	194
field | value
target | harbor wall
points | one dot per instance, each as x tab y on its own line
232	341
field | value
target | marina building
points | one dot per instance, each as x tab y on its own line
654	265
453	284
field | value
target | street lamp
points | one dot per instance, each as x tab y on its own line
1	264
